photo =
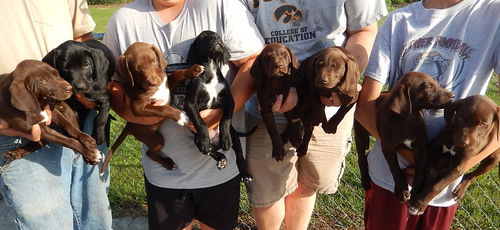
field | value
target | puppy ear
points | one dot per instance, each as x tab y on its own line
123	71
159	55
351	76
21	91
101	63
497	120
256	71
449	110
401	102
295	61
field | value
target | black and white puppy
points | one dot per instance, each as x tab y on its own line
88	67
211	91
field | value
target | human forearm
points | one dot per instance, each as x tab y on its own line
360	44
243	86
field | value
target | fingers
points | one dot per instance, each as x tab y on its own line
291	101
47	110
36	132
3	124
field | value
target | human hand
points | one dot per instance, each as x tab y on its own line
36	133
289	104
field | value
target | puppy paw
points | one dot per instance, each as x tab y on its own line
203	143
417	207
168	163
183	119
99	136
459	191
402	192
93	157
221	164
225	142
196	70
246	177
278	153
14	154
329	128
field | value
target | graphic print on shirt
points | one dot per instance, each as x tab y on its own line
441	57
177	62
289	17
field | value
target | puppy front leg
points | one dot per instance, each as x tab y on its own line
98	132
178	76
432	189
331	125
401	190
486	165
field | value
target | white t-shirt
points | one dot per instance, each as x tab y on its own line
307	27
138	21
458	46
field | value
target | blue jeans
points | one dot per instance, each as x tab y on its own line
53	188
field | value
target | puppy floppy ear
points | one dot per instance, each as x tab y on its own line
21	91
497	120
256	71
123	71
100	62
401	100
351	76
449	110
161	59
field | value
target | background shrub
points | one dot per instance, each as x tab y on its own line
106	2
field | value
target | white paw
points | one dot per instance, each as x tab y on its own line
184	120
414	211
97	156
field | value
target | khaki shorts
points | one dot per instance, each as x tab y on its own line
320	169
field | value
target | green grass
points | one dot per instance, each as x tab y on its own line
101	16
479	209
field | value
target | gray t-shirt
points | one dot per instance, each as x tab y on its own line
138	21
307	27
458	46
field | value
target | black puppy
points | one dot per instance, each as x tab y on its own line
88	66
211	91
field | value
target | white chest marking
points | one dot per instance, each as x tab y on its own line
408	142
213	87
45	117
450	150
162	94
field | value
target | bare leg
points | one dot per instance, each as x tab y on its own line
299	207
271	217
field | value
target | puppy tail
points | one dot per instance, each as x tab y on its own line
117	143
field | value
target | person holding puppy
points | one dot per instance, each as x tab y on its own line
439	38
52	188
196	189
286	190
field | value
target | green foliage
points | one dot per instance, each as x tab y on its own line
106	2
388	2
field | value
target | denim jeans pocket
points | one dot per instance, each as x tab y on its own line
7	143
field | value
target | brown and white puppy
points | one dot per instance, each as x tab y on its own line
141	73
472	123
275	72
333	69
25	92
401	126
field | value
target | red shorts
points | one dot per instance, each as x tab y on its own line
385	212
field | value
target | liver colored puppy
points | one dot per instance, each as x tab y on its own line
142	77
276	70
401	126
333	69
29	88
472	122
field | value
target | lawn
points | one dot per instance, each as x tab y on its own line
342	210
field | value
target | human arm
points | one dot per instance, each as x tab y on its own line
35	134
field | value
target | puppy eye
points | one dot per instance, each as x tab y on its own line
482	124
86	65
155	62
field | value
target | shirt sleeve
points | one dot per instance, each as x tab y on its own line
362	13
241	35
83	22
379	64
